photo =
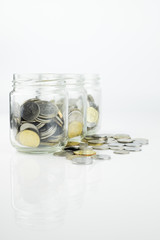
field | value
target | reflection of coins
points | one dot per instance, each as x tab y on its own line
92	115
85	152
28	138
75	129
101	157
30	110
82	160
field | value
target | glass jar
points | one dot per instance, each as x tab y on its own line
38	113
92	86
76	106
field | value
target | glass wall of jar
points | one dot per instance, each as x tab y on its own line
92	86
76	106
38	113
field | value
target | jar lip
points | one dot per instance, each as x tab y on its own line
36	76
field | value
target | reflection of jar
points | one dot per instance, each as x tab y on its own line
92	86
76	106
38	113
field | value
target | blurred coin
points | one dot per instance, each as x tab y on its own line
102	147
92	115
101	157
30	110
99	136
142	141
96	141
125	140
83	145
117	136
28	126
121	152
82	160
75	129
132	149
75	116
85	152
111	140
72	144
29	138
115	145
134	144
116	148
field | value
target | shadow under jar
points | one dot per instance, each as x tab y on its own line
92	86
38	113
76	106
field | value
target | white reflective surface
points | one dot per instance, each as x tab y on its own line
46	197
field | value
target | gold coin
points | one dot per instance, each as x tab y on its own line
28	138
85	152
95	144
92	115
75	129
72	144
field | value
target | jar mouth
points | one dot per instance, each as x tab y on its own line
72	79
36	79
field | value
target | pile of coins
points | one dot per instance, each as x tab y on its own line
84	152
37	123
75	118
92	113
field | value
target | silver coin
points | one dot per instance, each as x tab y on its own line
115	145
30	110
133	144
28	126
117	136
111	140
101	147
100	136
82	160
116	148
125	140
47	109
142	141
101	157
132	149
96	141
41	120
121	152
40	125
75	116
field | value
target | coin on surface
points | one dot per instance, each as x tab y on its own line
142	141
115	144
117	136
75	129
116	148
85	152
102	147
121	152
29	138
30	110
96	141
133	149
28	126
82	160
101	157
92	115
134	144
125	140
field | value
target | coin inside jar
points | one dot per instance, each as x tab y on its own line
92	115
28	138
30	110
75	129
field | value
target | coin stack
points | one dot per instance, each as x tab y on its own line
84	152
92	113
75	119
37	123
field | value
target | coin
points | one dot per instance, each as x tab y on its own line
75	116
134	144
132	149
28	126
85	152
125	140
82	160
115	145
30	110
101	157
102	147
96	141
75	129
142	141
121	152
92	115
28	138
117	136
47	109
116	148
72	144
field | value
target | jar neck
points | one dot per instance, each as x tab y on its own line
37	80
90	79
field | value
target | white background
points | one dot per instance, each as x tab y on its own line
120	40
